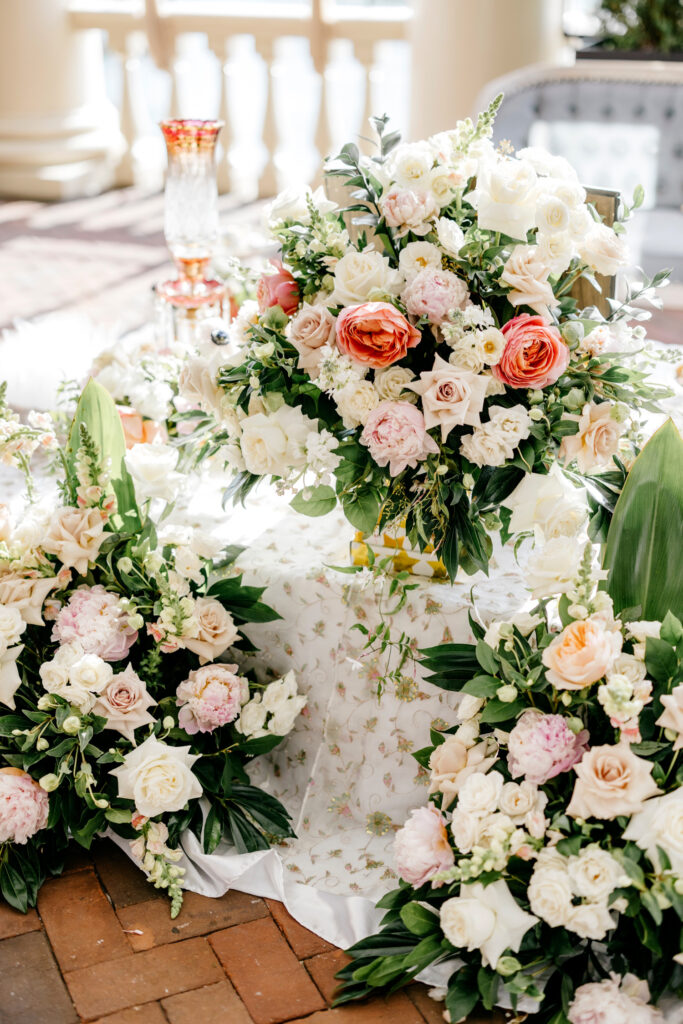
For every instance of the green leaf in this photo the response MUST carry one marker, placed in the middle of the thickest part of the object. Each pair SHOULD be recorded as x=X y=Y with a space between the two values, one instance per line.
x=672 y=629
x=321 y=500
x=213 y=831
x=13 y=887
x=463 y=993
x=645 y=530
x=498 y=711
x=487 y=983
x=486 y=658
x=482 y=686
x=96 y=409
x=118 y=815
x=362 y=508
x=418 y=919
x=660 y=659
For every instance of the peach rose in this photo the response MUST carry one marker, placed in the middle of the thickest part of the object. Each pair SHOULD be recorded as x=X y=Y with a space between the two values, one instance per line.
x=278 y=289
x=137 y=430
x=582 y=653
x=672 y=715
x=27 y=593
x=216 y=630
x=311 y=328
x=458 y=757
x=375 y=334
x=534 y=355
x=597 y=439
x=75 y=536
x=611 y=781
x=527 y=276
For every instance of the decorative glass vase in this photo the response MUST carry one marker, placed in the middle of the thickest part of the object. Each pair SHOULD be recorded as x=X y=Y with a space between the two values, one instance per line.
x=191 y=213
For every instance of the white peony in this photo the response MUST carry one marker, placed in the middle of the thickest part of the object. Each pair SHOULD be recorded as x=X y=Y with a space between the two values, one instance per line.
x=603 y=250
x=485 y=918
x=410 y=165
x=479 y=793
x=292 y=204
x=158 y=777
x=355 y=402
x=548 y=501
x=660 y=823
x=275 y=443
x=417 y=256
x=153 y=468
x=553 y=569
x=358 y=274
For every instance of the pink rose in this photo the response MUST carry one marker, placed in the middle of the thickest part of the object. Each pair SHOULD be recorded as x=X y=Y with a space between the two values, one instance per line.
x=278 y=289
x=395 y=433
x=421 y=847
x=124 y=703
x=434 y=293
x=375 y=334
x=542 y=746
x=311 y=328
x=534 y=355
x=582 y=653
x=611 y=780
x=450 y=397
x=96 y=619
x=24 y=806
x=212 y=696
x=408 y=210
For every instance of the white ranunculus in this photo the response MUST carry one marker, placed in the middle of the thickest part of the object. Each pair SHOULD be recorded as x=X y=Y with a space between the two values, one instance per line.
x=505 y=197
x=450 y=235
x=358 y=274
x=485 y=918
x=12 y=626
x=549 y=502
x=417 y=256
x=660 y=823
x=594 y=873
x=479 y=793
x=275 y=443
x=410 y=165
x=550 y=894
x=292 y=204
x=553 y=569
x=158 y=777
x=355 y=402
x=153 y=468
x=10 y=680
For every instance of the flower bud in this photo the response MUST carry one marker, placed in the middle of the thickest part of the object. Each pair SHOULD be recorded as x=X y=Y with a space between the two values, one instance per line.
x=574 y=399
x=572 y=332
x=102 y=803
x=45 y=702
x=566 y=698
x=468 y=481
x=536 y=414
x=575 y=724
x=125 y=564
x=506 y=630
x=49 y=782
x=42 y=743
x=168 y=722
x=71 y=725
x=506 y=693
x=507 y=966
x=535 y=396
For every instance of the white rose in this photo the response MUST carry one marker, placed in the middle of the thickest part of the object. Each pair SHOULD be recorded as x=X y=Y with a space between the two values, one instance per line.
x=450 y=235
x=355 y=402
x=292 y=204
x=358 y=274
x=550 y=895
x=603 y=250
x=484 y=448
x=152 y=467
x=252 y=718
x=10 y=680
x=512 y=425
x=390 y=384
x=505 y=197
x=276 y=443
x=555 y=252
x=465 y=830
x=443 y=184
x=552 y=215
x=629 y=666
x=158 y=778
x=543 y=162
x=467 y=355
x=75 y=536
x=410 y=165
x=479 y=793
x=548 y=501
x=553 y=569
x=417 y=256
x=590 y=920
x=594 y=873
x=485 y=918
x=527 y=276
x=90 y=673
x=152 y=398
x=517 y=799
x=12 y=625
x=660 y=823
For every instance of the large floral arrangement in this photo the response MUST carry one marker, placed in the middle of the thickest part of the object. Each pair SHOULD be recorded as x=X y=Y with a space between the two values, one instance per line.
x=418 y=370
x=549 y=859
x=122 y=707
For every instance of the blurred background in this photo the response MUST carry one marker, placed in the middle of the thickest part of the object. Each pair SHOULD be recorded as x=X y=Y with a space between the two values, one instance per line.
x=84 y=83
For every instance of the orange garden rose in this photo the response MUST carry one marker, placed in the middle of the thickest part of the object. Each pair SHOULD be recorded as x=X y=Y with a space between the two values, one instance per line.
x=137 y=430
x=375 y=334
x=581 y=654
x=534 y=355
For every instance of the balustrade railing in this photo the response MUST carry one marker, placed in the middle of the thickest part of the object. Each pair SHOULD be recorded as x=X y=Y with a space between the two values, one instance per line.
x=135 y=29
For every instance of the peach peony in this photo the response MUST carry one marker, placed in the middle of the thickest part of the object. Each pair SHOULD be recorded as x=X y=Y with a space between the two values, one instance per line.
x=597 y=439
x=278 y=289
x=421 y=847
x=375 y=334
x=582 y=653
x=611 y=781
x=534 y=355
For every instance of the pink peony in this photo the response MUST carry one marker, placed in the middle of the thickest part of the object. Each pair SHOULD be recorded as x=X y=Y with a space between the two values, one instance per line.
x=434 y=293
x=375 y=334
x=542 y=746
x=212 y=696
x=278 y=289
x=534 y=355
x=409 y=210
x=95 y=618
x=395 y=433
x=24 y=806
x=608 y=1002
x=421 y=847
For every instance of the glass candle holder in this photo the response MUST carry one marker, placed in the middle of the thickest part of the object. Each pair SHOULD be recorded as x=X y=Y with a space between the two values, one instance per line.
x=191 y=212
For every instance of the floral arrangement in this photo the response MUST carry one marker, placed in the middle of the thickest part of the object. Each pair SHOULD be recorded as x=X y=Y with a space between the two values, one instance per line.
x=549 y=860
x=415 y=363
x=122 y=706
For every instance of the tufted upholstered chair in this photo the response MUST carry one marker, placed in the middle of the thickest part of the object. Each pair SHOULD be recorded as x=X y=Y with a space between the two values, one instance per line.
x=620 y=123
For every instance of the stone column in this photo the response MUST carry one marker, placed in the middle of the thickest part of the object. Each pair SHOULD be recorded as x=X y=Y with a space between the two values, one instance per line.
x=59 y=134
x=460 y=45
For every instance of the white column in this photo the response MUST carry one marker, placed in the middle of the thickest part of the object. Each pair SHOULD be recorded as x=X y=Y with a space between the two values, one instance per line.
x=59 y=134
x=460 y=45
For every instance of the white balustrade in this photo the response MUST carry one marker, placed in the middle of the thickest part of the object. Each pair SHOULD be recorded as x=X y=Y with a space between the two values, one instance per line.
x=329 y=29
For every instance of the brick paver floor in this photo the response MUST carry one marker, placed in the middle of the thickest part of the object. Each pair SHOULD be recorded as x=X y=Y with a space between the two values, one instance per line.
x=101 y=947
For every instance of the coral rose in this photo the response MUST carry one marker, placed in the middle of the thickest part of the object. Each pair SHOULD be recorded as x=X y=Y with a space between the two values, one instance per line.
x=534 y=355
x=611 y=781
x=137 y=430
x=582 y=653
x=278 y=289
x=375 y=334
x=395 y=433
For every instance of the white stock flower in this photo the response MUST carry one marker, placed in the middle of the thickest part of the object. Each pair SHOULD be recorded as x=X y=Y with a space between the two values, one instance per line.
x=188 y=564
x=357 y=274
x=553 y=569
x=486 y=918
x=153 y=468
x=548 y=501
x=355 y=402
x=275 y=443
x=158 y=777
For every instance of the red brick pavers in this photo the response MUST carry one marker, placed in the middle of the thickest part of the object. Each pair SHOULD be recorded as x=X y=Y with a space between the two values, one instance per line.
x=101 y=948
